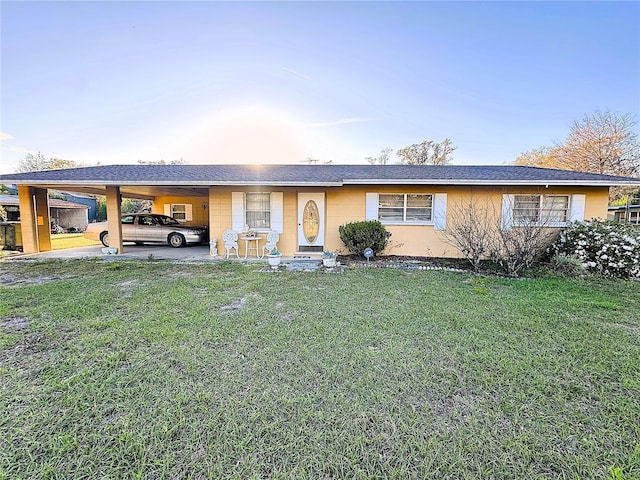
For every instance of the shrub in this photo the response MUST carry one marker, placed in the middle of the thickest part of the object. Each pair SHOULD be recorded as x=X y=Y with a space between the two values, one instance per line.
x=357 y=236
x=477 y=230
x=609 y=248
x=518 y=248
x=568 y=265
x=470 y=229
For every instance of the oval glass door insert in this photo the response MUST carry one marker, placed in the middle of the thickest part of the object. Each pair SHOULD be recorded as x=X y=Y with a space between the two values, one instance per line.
x=310 y=221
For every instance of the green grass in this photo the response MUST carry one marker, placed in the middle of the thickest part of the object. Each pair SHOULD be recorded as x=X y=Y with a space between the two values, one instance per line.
x=134 y=369
x=61 y=241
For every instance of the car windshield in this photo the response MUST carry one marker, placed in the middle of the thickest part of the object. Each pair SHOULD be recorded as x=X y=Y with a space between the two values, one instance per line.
x=164 y=220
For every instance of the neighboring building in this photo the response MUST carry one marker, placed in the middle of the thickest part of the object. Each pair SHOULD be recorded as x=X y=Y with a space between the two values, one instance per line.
x=67 y=215
x=88 y=200
x=414 y=202
x=625 y=213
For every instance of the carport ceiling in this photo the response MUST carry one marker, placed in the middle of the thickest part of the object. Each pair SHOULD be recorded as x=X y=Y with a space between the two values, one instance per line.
x=145 y=192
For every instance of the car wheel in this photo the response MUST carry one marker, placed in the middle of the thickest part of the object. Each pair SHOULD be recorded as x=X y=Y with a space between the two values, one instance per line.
x=176 y=240
x=104 y=238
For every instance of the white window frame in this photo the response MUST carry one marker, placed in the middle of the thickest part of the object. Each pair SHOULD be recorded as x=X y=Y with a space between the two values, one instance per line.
x=239 y=218
x=246 y=211
x=541 y=209
x=404 y=210
x=438 y=206
x=170 y=210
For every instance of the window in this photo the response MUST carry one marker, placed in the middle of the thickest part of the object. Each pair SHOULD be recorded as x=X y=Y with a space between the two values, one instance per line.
x=182 y=212
x=13 y=213
x=540 y=209
x=165 y=220
x=405 y=208
x=128 y=219
x=147 y=220
x=179 y=211
x=258 y=210
x=634 y=217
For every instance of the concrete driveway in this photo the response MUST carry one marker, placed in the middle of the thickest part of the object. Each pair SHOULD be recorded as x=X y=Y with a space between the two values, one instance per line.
x=190 y=253
x=159 y=252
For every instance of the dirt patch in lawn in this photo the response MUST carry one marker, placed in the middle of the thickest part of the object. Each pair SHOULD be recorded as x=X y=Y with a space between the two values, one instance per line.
x=235 y=305
x=629 y=328
x=287 y=317
x=126 y=287
x=13 y=281
x=15 y=323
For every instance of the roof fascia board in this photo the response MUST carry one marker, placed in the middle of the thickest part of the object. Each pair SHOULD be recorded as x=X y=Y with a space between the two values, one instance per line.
x=577 y=183
x=421 y=181
x=166 y=183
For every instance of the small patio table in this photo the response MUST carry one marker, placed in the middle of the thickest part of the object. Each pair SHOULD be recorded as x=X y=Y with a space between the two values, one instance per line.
x=248 y=247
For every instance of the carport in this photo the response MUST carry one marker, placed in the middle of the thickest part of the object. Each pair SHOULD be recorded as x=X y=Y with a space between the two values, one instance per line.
x=34 y=202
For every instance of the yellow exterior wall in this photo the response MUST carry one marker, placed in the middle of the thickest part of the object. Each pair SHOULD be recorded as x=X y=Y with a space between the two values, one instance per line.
x=199 y=205
x=220 y=216
x=347 y=204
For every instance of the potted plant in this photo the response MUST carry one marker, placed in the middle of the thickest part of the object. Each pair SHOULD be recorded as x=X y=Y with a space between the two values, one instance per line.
x=329 y=259
x=274 y=257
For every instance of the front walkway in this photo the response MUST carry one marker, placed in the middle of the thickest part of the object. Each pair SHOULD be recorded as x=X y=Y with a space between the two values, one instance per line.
x=196 y=253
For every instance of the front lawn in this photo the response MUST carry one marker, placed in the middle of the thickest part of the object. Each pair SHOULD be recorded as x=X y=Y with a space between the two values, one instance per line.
x=61 y=241
x=142 y=369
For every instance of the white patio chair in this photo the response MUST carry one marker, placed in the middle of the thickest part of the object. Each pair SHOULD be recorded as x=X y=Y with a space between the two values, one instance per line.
x=230 y=239
x=272 y=242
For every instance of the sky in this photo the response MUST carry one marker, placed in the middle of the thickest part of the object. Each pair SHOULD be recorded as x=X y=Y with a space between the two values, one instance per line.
x=282 y=82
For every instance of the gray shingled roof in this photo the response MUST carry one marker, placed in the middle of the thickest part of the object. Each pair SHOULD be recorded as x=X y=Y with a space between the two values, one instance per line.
x=53 y=202
x=312 y=175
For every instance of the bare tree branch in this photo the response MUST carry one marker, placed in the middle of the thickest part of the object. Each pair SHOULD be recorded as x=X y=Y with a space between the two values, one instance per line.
x=36 y=162
x=382 y=159
x=427 y=153
x=469 y=229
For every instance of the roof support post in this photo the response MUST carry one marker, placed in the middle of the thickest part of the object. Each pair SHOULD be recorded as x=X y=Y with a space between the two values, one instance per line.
x=34 y=219
x=114 y=212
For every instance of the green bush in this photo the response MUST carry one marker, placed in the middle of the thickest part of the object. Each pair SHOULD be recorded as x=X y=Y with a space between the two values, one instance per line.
x=611 y=249
x=568 y=265
x=357 y=236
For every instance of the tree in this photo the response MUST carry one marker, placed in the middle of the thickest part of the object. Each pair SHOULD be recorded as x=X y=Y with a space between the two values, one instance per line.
x=134 y=205
x=604 y=143
x=544 y=157
x=36 y=162
x=179 y=161
x=128 y=205
x=382 y=159
x=470 y=230
x=427 y=153
x=316 y=161
x=479 y=231
x=518 y=247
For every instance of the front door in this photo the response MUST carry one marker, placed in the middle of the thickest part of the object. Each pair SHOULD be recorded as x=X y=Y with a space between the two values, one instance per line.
x=310 y=222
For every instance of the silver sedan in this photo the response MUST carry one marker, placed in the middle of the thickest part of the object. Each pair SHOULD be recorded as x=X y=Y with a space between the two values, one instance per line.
x=150 y=228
